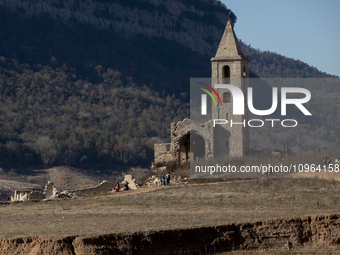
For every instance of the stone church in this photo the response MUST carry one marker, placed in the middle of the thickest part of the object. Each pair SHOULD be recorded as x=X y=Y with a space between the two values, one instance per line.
x=229 y=66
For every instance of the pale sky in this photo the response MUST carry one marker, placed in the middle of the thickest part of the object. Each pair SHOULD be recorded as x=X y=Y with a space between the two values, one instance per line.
x=308 y=30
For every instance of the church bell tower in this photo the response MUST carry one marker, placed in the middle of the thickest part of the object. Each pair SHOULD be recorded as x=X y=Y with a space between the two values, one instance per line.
x=230 y=66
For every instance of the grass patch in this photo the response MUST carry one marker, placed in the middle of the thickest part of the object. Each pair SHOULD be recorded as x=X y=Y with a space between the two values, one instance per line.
x=172 y=207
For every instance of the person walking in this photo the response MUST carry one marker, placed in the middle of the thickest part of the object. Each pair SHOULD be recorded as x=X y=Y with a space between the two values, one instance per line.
x=167 y=179
x=117 y=187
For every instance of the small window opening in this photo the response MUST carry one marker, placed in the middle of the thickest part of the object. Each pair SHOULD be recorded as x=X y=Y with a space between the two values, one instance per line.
x=226 y=74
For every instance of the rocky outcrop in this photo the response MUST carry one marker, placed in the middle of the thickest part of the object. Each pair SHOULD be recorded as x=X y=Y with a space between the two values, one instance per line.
x=268 y=234
x=197 y=28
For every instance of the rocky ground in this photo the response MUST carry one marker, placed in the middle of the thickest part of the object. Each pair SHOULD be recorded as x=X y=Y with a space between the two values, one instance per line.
x=63 y=178
x=242 y=215
x=154 y=181
x=273 y=216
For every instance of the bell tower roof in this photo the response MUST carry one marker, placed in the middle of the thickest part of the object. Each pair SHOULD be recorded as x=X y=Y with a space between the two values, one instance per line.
x=229 y=47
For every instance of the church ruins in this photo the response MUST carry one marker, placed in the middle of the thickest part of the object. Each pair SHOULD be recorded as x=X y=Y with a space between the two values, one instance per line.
x=229 y=66
x=51 y=193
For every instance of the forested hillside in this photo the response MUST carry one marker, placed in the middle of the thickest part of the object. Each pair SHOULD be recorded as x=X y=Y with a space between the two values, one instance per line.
x=49 y=116
x=78 y=94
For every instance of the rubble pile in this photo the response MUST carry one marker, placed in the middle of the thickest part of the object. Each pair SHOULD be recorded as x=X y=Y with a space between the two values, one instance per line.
x=131 y=181
x=51 y=193
x=154 y=181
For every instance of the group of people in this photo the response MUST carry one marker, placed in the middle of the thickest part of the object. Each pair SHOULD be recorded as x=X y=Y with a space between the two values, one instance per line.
x=126 y=185
x=162 y=179
x=327 y=161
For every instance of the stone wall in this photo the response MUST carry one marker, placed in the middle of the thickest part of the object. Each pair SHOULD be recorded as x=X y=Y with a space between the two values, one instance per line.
x=175 y=151
x=50 y=192
x=26 y=195
x=182 y=128
x=102 y=188
x=20 y=195
x=106 y=187
x=233 y=141
x=35 y=195
x=163 y=153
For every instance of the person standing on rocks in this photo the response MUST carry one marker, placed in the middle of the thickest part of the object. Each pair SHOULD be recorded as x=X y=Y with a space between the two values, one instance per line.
x=167 y=179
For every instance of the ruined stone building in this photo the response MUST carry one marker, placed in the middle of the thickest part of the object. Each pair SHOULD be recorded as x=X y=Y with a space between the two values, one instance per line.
x=229 y=66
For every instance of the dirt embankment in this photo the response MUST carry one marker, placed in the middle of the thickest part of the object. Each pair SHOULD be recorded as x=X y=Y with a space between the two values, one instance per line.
x=269 y=234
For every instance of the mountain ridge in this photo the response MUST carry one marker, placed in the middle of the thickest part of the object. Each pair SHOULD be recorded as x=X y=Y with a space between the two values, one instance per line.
x=172 y=20
x=93 y=96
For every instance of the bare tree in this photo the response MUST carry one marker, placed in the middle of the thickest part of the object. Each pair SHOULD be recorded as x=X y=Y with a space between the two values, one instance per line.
x=45 y=147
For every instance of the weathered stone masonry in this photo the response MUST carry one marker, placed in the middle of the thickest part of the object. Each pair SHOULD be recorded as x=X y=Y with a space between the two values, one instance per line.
x=229 y=66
